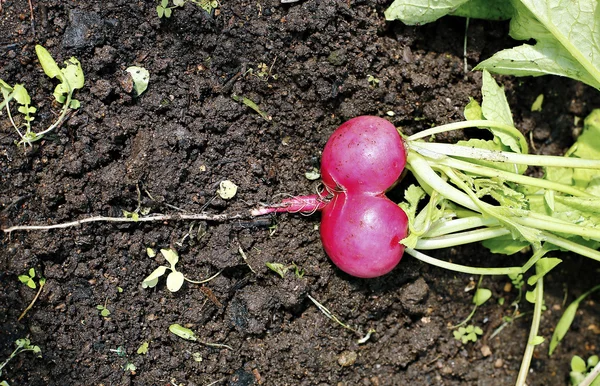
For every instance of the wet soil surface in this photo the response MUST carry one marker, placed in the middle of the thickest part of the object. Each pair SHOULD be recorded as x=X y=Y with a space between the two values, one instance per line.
x=307 y=65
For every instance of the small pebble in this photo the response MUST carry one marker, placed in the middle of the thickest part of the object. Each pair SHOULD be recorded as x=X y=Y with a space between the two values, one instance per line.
x=347 y=358
x=486 y=351
x=498 y=363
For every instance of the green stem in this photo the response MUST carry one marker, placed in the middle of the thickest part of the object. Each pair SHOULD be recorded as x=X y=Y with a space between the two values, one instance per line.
x=443 y=227
x=438 y=150
x=572 y=246
x=479 y=124
x=549 y=223
x=461 y=238
x=462 y=268
x=421 y=168
x=533 y=332
x=512 y=177
x=58 y=122
x=203 y=281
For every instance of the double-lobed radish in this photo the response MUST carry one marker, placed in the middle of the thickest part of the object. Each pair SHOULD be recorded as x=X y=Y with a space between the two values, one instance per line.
x=361 y=228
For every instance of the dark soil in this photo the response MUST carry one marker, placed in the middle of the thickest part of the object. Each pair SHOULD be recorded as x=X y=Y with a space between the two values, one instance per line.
x=306 y=65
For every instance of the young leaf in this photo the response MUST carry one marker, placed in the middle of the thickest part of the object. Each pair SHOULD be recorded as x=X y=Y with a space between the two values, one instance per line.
x=485 y=9
x=143 y=349
x=182 y=332
x=473 y=110
x=73 y=73
x=168 y=12
x=566 y=319
x=495 y=106
x=47 y=62
x=21 y=95
x=160 y=11
x=536 y=340
x=174 y=281
x=152 y=279
x=578 y=364
x=481 y=296
x=566 y=42
x=542 y=267
x=278 y=268
x=164 y=3
x=420 y=11
x=171 y=256
x=140 y=77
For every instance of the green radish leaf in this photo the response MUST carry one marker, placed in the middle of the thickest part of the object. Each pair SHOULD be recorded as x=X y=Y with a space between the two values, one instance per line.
x=47 y=62
x=495 y=106
x=143 y=349
x=73 y=73
x=505 y=245
x=485 y=9
x=420 y=11
x=566 y=43
x=75 y=104
x=24 y=278
x=168 y=12
x=164 y=3
x=593 y=361
x=542 y=267
x=473 y=111
x=160 y=11
x=32 y=272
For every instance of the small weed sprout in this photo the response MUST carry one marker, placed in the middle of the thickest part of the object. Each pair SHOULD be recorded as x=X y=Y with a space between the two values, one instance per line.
x=104 y=312
x=28 y=280
x=585 y=372
x=22 y=346
x=71 y=78
x=281 y=269
x=175 y=278
x=373 y=81
x=164 y=10
x=466 y=334
x=481 y=296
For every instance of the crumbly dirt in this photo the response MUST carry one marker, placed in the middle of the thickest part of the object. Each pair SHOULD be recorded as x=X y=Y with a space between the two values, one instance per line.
x=306 y=65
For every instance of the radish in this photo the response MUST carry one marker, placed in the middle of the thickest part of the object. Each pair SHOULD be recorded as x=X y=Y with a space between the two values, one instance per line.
x=361 y=228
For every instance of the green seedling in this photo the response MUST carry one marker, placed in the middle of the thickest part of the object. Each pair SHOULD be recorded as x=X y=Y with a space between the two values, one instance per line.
x=28 y=279
x=175 y=278
x=585 y=373
x=22 y=346
x=373 y=81
x=164 y=10
x=248 y=102
x=480 y=296
x=467 y=334
x=103 y=311
x=140 y=77
x=143 y=349
x=567 y=319
x=281 y=269
x=187 y=334
x=70 y=77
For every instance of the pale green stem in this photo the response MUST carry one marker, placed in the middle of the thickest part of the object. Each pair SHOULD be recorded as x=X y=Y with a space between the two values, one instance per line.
x=462 y=268
x=461 y=238
x=479 y=124
x=533 y=332
x=548 y=223
x=444 y=227
x=572 y=246
x=12 y=121
x=203 y=281
x=61 y=117
x=591 y=377
x=421 y=167
x=513 y=177
x=438 y=150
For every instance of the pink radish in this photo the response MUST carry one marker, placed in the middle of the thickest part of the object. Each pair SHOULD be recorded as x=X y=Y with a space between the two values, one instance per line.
x=361 y=228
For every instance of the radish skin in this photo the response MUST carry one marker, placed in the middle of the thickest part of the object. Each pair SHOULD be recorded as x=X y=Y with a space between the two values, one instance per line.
x=361 y=228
